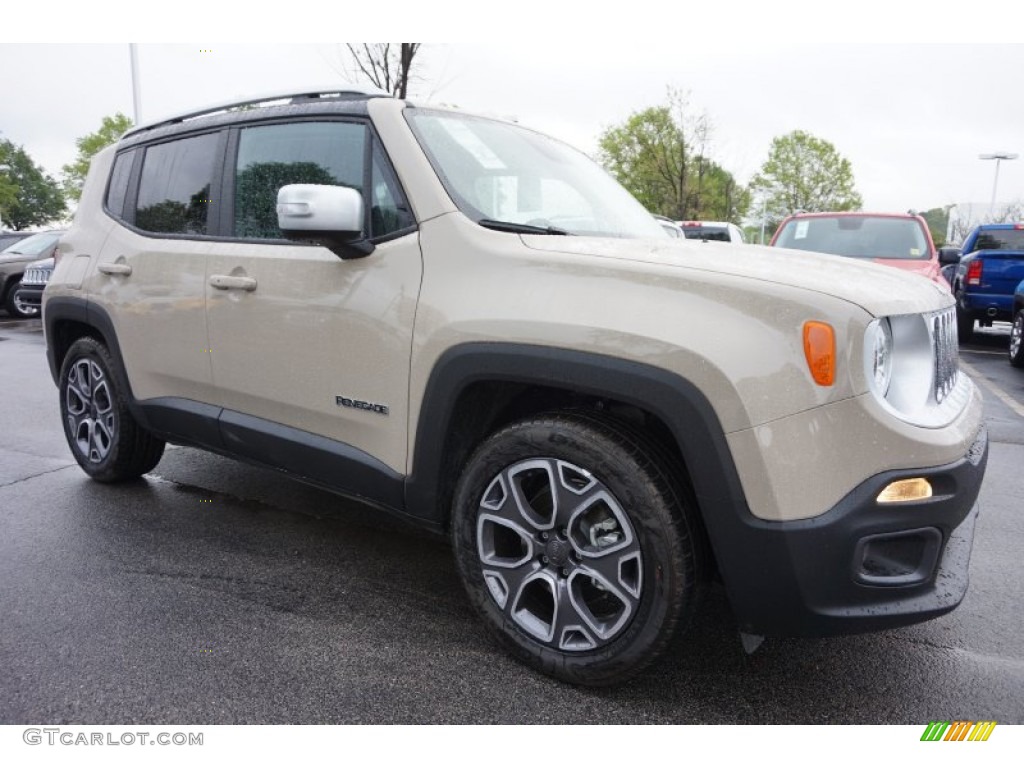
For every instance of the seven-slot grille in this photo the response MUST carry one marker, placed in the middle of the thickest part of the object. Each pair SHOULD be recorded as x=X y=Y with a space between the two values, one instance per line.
x=36 y=276
x=947 y=354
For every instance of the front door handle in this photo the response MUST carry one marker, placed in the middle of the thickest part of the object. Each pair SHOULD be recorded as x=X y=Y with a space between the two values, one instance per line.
x=114 y=268
x=228 y=282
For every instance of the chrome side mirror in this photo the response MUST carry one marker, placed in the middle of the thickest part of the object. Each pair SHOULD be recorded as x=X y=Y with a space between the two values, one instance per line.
x=326 y=215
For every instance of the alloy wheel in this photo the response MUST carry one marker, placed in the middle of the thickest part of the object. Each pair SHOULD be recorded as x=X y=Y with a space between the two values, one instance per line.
x=91 y=416
x=558 y=554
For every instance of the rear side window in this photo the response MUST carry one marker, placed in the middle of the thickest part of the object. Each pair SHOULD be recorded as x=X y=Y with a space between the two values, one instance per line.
x=117 y=190
x=271 y=156
x=174 y=191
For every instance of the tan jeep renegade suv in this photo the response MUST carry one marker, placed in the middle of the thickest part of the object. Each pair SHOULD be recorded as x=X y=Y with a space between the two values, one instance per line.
x=470 y=324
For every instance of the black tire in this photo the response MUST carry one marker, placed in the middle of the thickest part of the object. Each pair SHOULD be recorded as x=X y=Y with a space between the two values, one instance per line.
x=1017 y=340
x=590 y=590
x=12 y=306
x=104 y=437
x=964 y=325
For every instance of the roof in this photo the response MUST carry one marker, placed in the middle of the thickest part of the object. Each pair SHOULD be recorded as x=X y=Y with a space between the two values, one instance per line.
x=347 y=100
x=833 y=214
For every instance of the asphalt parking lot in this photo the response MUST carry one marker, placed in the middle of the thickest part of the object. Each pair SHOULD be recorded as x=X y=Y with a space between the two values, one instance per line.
x=214 y=592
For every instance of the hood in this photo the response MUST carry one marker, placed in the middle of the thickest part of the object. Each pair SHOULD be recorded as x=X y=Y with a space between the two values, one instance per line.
x=877 y=289
x=926 y=267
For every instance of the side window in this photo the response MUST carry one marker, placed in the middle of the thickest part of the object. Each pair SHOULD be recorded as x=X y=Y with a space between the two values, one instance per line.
x=388 y=212
x=117 y=190
x=174 y=192
x=271 y=156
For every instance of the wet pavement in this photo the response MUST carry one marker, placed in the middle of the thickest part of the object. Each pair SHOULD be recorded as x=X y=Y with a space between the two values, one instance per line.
x=215 y=592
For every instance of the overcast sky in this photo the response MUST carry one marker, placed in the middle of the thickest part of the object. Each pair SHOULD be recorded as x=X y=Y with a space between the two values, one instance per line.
x=911 y=118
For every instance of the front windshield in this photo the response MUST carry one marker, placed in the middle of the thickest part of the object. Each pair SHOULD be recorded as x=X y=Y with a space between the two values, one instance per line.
x=498 y=172
x=862 y=237
x=32 y=246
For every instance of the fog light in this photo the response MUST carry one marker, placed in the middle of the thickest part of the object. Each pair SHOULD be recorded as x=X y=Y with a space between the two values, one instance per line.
x=912 y=489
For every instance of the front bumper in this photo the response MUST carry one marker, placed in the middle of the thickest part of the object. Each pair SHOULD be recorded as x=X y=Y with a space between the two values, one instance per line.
x=31 y=295
x=862 y=566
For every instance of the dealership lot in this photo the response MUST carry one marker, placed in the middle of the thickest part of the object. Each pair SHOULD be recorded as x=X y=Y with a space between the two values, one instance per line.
x=214 y=592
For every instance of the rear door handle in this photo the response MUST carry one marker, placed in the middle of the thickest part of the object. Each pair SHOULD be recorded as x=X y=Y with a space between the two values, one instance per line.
x=229 y=282
x=114 y=269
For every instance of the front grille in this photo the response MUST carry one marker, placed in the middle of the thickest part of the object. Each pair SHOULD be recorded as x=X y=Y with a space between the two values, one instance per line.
x=36 y=276
x=947 y=352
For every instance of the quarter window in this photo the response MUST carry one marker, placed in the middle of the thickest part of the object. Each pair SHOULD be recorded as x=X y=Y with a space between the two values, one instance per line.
x=118 y=189
x=388 y=212
x=174 y=193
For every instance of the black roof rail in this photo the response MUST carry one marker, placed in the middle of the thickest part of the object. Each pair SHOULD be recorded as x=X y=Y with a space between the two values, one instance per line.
x=347 y=93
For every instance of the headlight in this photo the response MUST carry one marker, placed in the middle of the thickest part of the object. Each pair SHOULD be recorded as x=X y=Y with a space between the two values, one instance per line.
x=878 y=356
x=910 y=364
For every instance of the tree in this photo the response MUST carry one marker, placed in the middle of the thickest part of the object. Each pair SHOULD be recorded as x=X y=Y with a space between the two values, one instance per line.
x=110 y=131
x=386 y=65
x=804 y=173
x=28 y=196
x=660 y=156
x=938 y=222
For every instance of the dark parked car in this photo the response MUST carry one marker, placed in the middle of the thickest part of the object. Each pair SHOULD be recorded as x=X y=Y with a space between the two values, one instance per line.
x=13 y=261
x=28 y=296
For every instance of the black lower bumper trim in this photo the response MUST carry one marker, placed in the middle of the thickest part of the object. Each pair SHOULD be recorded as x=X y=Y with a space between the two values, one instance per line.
x=862 y=566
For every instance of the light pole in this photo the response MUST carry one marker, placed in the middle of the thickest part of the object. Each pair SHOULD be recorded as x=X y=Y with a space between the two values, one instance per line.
x=998 y=157
x=136 y=90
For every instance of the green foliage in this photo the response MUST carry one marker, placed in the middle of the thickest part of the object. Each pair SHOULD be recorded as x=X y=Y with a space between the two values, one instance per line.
x=28 y=197
x=110 y=131
x=805 y=173
x=660 y=156
x=938 y=222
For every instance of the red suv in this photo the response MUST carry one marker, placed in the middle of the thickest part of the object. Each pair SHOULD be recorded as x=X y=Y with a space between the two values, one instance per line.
x=900 y=240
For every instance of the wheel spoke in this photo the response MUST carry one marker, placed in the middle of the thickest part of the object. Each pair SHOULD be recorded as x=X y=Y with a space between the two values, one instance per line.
x=533 y=486
x=535 y=605
x=572 y=630
x=602 y=605
x=101 y=396
x=77 y=402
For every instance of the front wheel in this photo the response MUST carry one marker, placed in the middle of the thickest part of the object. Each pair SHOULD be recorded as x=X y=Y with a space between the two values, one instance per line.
x=17 y=308
x=104 y=437
x=1017 y=340
x=575 y=547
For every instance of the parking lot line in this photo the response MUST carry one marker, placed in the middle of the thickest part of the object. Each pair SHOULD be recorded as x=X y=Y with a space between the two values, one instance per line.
x=993 y=388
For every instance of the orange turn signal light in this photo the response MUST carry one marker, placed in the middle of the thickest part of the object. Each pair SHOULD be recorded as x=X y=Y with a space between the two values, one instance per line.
x=820 y=351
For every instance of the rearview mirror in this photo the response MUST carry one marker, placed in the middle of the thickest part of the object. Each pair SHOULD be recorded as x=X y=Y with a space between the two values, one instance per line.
x=326 y=215
x=949 y=254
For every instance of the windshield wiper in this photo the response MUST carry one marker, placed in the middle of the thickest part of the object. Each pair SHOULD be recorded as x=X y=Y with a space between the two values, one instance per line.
x=522 y=229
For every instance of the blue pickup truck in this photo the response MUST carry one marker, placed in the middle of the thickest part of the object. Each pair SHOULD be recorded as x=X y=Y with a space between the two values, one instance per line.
x=991 y=267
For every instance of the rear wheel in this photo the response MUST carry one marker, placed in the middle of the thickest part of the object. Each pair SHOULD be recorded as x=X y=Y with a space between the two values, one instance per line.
x=104 y=437
x=575 y=547
x=1017 y=340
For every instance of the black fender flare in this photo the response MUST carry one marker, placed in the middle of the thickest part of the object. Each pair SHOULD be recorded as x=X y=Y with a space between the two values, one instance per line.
x=676 y=401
